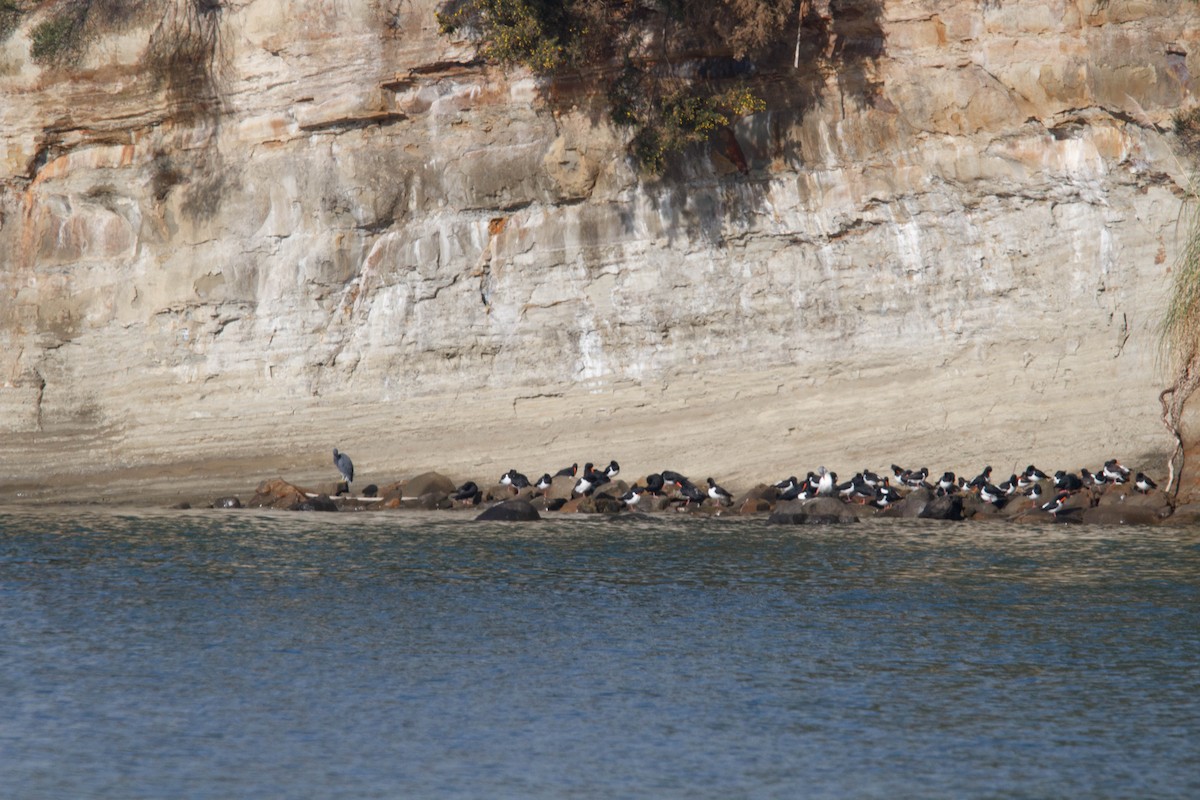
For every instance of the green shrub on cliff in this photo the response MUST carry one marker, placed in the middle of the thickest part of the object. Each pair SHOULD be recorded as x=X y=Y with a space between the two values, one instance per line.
x=512 y=31
x=69 y=26
x=653 y=58
x=59 y=38
x=672 y=123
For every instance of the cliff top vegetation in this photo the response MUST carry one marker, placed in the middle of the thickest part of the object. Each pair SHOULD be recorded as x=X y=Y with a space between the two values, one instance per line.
x=674 y=72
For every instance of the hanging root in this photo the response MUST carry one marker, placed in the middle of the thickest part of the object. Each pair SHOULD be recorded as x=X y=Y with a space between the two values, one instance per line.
x=1186 y=383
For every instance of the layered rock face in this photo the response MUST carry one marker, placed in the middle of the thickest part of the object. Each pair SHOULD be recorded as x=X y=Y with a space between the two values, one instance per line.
x=328 y=226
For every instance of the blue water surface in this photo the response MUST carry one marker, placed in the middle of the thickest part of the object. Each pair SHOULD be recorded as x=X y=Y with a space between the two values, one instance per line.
x=242 y=654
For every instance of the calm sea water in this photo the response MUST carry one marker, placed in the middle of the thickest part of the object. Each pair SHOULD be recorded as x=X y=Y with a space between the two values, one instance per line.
x=248 y=655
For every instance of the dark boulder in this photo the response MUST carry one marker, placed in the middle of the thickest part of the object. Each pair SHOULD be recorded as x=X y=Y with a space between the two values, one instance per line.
x=1038 y=515
x=499 y=491
x=428 y=482
x=1186 y=515
x=608 y=505
x=911 y=507
x=761 y=492
x=1121 y=514
x=541 y=503
x=321 y=502
x=561 y=488
x=947 y=507
x=817 y=511
x=510 y=511
x=754 y=505
x=433 y=501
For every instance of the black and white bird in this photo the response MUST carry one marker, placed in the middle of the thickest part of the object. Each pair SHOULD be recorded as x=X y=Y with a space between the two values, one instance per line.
x=612 y=469
x=344 y=466
x=982 y=479
x=468 y=493
x=885 y=495
x=670 y=476
x=860 y=490
x=692 y=493
x=593 y=477
x=947 y=483
x=1115 y=473
x=787 y=485
x=1143 y=483
x=805 y=490
x=1092 y=480
x=1009 y=486
x=585 y=484
x=568 y=471
x=544 y=482
x=1056 y=505
x=717 y=493
x=990 y=494
x=514 y=479
x=655 y=483
x=1067 y=481
x=633 y=496
x=915 y=479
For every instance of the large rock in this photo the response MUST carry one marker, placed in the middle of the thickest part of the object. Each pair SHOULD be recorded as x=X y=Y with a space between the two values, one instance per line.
x=764 y=492
x=499 y=491
x=321 y=502
x=277 y=493
x=430 y=501
x=817 y=511
x=946 y=507
x=978 y=509
x=428 y=482
x=510 y=511
x=751 y=505
x=561 y=488
x=1126 y=496
x=1121 y=515
x=1188 y=514
x=910 y=507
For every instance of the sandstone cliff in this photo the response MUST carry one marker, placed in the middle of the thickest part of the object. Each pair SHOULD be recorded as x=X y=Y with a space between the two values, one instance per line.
x=326 y=226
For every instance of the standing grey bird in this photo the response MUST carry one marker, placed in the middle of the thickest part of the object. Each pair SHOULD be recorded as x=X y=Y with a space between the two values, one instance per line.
x=344 y=465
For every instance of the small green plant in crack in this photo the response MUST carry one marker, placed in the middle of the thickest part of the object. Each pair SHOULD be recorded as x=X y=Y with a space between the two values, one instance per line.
x=58 y=39
x=1186 y=124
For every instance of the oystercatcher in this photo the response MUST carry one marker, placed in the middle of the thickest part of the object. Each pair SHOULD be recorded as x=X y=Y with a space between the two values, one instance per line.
x=717 y=493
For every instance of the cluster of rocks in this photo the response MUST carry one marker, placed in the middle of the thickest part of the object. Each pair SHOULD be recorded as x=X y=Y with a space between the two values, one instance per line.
x=956 y=500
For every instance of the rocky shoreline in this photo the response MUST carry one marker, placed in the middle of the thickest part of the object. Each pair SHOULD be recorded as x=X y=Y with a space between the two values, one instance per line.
x=1109 y=504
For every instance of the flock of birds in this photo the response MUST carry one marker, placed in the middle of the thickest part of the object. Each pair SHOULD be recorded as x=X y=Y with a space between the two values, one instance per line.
x=592 y=480
x=865 y=487
x=1032 y=483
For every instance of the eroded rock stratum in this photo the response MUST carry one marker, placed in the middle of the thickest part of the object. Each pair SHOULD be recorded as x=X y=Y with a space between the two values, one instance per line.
x=343 y=232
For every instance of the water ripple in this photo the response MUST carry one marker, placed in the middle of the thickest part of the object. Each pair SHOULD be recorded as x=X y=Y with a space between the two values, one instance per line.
x=219 y=654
